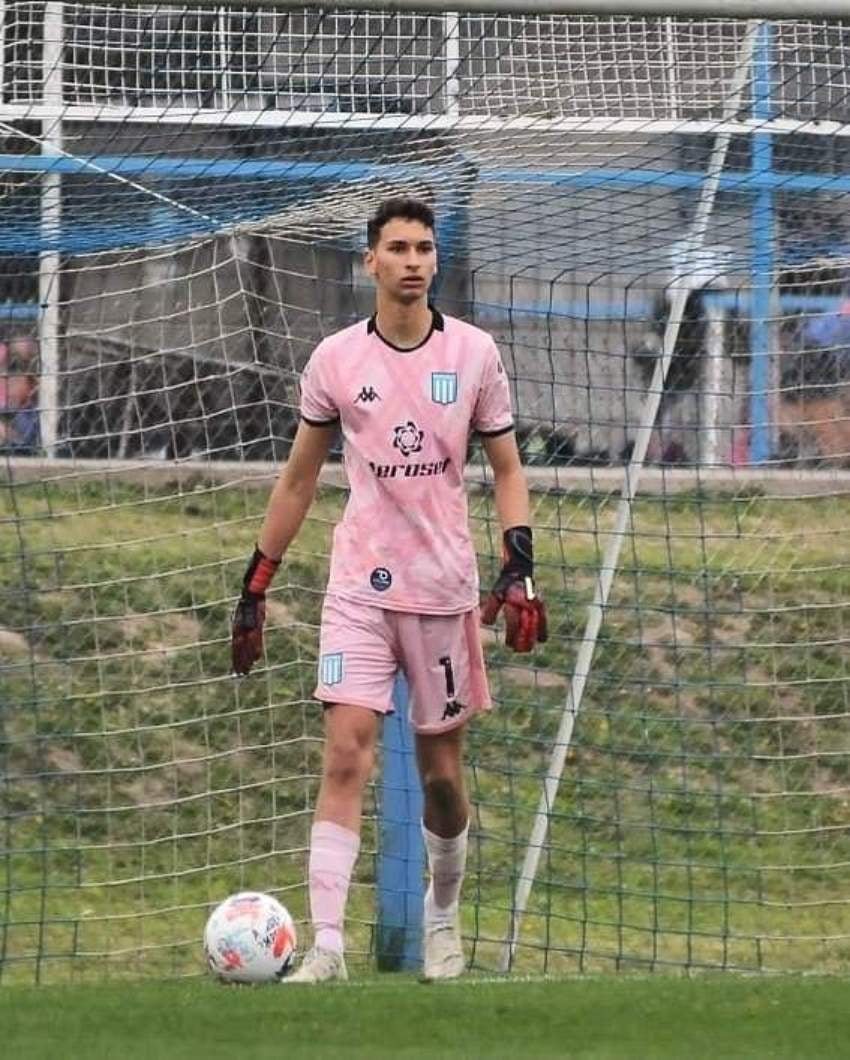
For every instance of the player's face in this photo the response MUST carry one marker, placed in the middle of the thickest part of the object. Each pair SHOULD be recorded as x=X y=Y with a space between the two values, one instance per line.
x=404 y=260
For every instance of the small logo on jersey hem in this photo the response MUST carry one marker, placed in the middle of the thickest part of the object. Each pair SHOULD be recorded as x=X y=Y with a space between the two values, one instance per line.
x=444 y=388
x=331 y=668
x=367 y=393
x=380 y=579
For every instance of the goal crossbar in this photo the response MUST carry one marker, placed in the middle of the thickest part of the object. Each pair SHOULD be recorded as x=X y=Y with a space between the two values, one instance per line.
x=829 y=9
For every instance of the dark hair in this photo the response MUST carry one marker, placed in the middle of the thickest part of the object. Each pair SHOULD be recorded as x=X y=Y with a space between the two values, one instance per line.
x=409 y=209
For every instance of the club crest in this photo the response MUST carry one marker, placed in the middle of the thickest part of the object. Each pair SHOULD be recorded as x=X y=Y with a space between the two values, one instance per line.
x=330 y=668
x=444 y=387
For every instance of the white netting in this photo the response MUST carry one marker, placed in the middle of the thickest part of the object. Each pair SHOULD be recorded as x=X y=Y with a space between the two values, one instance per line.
x=183 y=196
x=361 y=63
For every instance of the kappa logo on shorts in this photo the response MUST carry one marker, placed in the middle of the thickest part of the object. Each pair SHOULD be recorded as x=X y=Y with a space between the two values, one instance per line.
x=453 y=708
x=331 y=668
x=444 y=387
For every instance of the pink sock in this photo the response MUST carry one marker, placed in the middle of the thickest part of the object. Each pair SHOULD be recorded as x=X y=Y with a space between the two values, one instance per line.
x=333 y=851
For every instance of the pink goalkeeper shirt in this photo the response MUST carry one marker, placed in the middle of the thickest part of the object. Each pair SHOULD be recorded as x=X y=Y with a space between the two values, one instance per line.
x=406 y=416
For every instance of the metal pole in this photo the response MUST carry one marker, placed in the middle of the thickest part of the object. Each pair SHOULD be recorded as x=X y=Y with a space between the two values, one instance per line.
x=764 y=253
x=51 y=216
x=451 y=28
x=714 y=388
x=223 y=57
x=672 y=67
x=742 y=9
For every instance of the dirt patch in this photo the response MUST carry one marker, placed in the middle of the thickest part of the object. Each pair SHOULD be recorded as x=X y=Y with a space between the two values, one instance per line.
x=147 y=790
x=520 y=675
x=660 y=638
x=64 y=760
x=13 y=644
x=161 y=634
x=280 y=614
x=190 y=758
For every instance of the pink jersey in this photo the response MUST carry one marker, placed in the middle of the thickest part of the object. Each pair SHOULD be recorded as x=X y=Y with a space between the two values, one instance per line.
x=406 y=416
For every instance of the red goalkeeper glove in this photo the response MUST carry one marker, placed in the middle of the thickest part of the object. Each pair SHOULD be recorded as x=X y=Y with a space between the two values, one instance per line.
x=250 y=615
x=525 y=613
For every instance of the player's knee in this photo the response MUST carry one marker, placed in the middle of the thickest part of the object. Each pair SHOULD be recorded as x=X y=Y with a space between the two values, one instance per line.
x=442 y=793
x=348 y=764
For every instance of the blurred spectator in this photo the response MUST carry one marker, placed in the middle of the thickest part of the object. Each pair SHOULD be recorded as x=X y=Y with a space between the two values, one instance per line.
x=825 y=359
x=19 y=421
x=683 y=375
x=813 y=412
x=816 y=429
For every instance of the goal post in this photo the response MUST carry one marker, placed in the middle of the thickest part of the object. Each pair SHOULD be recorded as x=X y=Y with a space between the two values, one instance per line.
x=730 y=9
x=647 y=208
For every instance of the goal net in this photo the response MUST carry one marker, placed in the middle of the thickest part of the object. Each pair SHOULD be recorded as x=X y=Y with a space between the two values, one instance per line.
x=650 y=215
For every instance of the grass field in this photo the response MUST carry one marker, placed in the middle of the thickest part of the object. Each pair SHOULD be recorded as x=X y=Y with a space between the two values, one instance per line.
x=703 y=820
x=611 y=1018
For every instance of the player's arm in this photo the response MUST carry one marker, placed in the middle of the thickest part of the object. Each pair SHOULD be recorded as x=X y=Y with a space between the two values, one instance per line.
x=295 y=488
x=525 y=614
x=288 y=505
x=511 y=488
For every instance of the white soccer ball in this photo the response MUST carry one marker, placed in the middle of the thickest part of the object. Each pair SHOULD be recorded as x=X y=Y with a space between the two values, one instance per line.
x=249 y=938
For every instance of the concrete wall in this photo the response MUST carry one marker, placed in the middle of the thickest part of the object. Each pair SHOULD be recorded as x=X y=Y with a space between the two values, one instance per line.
x=565 y=278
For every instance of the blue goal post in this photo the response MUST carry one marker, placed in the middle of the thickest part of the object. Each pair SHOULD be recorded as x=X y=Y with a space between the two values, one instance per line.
x=401 y=859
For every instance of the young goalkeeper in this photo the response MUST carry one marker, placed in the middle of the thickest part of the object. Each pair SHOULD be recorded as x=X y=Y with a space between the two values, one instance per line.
x=406 y=387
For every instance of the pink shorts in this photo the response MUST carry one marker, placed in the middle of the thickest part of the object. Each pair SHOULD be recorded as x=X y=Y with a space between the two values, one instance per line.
x=362 y=648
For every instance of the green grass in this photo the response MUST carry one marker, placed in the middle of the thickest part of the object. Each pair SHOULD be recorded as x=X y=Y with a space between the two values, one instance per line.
x=702 y=820
x=602 y=1019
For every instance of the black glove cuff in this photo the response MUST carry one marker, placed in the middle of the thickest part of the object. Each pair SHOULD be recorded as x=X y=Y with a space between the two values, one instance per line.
x=519 y=551
x=259 y=574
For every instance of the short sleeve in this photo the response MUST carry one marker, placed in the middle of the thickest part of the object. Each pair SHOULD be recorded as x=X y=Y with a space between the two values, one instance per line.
x=317 y=404
x=493 y=414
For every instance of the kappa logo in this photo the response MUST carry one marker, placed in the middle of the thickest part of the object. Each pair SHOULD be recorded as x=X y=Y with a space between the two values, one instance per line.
x=407 y=438
x=367 y=394
x=453 y=708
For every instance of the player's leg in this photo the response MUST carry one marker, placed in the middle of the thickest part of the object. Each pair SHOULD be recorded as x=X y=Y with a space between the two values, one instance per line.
x=445 y=802
x=350 y=737
x=444 y=663
x=445 y=827
x=356 y=671
x=351 y=734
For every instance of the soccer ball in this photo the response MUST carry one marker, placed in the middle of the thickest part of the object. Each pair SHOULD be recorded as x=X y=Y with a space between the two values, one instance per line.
x=249 y=938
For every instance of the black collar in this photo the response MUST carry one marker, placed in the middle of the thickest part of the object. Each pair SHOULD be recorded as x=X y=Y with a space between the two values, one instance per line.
x=437 y=324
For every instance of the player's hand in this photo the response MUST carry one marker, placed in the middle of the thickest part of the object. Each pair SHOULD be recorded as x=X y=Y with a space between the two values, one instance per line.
x=525 y=612
x=514 y=593
x=247 y=634
x=246 y=640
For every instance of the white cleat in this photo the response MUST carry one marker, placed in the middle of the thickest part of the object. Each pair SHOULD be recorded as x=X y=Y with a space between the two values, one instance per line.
x=319 y=966
x=443 y=952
